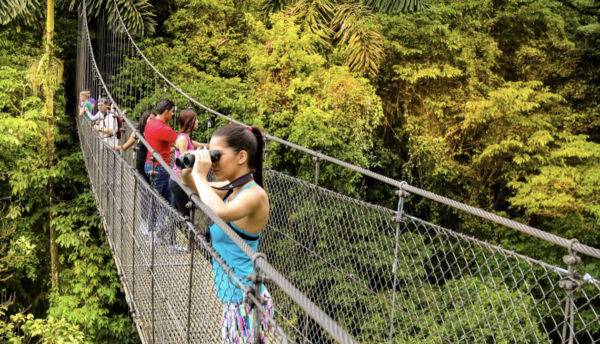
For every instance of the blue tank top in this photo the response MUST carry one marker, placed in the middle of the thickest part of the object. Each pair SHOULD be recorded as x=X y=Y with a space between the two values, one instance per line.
x=235 y=259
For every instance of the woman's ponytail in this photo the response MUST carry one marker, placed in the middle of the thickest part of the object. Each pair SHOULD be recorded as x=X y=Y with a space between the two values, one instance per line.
x=256 y=161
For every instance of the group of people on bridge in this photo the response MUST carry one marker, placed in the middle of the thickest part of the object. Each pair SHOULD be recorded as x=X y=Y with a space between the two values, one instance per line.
x=242 y=203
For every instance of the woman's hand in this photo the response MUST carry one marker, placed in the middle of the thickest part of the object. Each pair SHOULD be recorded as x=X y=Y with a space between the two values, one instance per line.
x=203 y=162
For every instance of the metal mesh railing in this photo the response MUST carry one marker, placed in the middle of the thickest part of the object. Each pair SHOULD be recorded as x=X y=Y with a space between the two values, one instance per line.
x=363 y=263
x=380 y=274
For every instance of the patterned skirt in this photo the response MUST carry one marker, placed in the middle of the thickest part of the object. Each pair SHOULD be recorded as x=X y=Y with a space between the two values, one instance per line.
x=237 y=324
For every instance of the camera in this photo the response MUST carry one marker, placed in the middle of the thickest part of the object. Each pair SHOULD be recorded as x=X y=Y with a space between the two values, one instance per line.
x=187 y=161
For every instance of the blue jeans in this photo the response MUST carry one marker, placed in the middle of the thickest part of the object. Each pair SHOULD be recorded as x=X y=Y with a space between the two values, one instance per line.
x=161 y=184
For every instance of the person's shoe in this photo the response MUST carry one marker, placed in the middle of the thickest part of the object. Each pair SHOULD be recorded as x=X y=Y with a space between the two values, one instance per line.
x=157 y=239
x=143 y=230
x=177 y=249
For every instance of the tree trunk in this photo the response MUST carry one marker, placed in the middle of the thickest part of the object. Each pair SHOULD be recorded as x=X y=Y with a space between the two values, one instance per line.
x=48 y=90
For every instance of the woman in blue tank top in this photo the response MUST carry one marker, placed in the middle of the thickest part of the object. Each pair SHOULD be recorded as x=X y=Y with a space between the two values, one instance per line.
x=246 y=210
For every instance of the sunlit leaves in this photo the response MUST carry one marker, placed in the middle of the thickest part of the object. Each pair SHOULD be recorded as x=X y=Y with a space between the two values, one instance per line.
x=354 y=24
x=313 y=17
x=137 y=14
x=26 y=11
x=391 y=6
x=273 y=6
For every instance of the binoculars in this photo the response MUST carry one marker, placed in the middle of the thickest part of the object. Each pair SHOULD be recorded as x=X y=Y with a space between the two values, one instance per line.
x=187 y=161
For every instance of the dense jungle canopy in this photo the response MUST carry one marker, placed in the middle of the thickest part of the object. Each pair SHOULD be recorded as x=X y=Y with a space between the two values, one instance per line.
x=494 y=103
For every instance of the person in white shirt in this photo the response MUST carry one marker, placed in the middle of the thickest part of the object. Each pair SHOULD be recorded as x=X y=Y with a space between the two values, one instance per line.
x=106 y=122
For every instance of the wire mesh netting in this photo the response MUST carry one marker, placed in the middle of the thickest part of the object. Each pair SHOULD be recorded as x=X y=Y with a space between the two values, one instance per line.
x=380 y=276
x=447 y=287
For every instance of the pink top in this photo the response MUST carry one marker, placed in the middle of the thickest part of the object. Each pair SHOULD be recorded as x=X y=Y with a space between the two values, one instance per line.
x=178 y=153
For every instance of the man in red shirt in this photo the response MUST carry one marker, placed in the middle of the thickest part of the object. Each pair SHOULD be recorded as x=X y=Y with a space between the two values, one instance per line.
x=161 y=137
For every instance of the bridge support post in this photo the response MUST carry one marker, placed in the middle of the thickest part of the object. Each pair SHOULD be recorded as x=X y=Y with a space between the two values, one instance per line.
x=192 y=245
x=114 y=192
x=133 y=229
x=152 y=244
x=120 y=209
x=104 y=176
x=258 y=278
x=402 y=194
x=266 y=150
x=208 y=126
x=570 y=284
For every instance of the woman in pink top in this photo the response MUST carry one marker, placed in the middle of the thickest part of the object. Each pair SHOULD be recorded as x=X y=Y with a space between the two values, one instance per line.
x=188 y=121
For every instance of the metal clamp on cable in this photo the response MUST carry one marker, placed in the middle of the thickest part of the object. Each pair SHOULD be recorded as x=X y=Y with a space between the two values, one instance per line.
x=401 y=192
x=247 y=300
x=569 y=284
x=255 y=257
x=258 y=277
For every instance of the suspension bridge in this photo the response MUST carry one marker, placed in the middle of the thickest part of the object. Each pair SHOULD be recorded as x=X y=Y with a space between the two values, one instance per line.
x=339 y=270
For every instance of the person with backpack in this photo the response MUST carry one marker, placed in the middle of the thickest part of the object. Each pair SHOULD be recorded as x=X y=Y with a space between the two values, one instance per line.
x=106 y=123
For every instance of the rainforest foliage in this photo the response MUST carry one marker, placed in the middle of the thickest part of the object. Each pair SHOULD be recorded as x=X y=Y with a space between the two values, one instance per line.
x=87 y=302
x=491 y=103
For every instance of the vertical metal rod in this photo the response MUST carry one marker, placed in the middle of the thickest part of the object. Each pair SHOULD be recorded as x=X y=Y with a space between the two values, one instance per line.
x=133 y=230
x=122 y=213
x=317 y=169
x=208 y=125
x=257 y=311
x=266 y=150
x=104 y=173
x=401 y=195
x=175 y=110
x=152 y=244
x=192 y=245
x=114 y=202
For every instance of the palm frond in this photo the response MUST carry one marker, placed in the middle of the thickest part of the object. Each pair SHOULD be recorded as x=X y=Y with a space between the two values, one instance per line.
x=273 y=6
x=347 y=16
x=391 y=6
x=351 y=24
x=365 y=50
x=137 y=14
x=37 y=76
x=24 y=10
x=313 y=17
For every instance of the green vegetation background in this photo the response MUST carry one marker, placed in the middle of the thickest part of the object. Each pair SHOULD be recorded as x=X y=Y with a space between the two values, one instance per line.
x=492 y=103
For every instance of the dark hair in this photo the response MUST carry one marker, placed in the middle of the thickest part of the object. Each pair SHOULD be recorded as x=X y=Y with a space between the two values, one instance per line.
x=163 y=105
x=103 y=101
x=144 y=120
x=187 y=118
x=241 y=138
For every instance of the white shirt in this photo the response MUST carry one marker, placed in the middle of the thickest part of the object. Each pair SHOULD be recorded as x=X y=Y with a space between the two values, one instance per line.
x=107 y=122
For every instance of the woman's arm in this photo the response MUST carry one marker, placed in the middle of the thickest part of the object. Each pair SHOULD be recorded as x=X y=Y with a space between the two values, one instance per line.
x=199 y=145
x=127 y=144
x=243 y=205
x=181 y=144
x=187 y=179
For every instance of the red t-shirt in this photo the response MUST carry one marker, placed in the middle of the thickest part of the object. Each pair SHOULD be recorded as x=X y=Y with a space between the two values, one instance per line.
x=161 y=137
